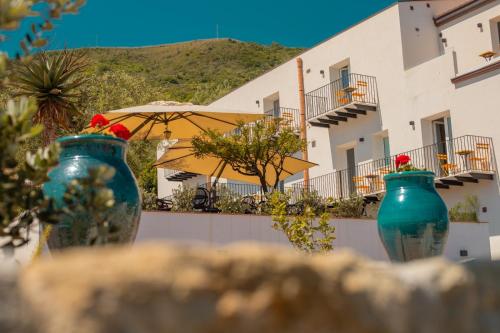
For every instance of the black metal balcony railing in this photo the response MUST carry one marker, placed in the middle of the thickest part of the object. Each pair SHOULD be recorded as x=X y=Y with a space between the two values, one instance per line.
x=354 y=88
x=463 y=159
x=290 y=117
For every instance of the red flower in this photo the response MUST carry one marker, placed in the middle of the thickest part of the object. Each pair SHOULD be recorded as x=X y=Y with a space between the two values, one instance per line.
x=120 y=131
x=98 y=121
x=402 y=160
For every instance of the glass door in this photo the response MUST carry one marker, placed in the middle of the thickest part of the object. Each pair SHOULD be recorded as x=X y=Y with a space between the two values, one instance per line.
x=351 y=170
x=387 y=151
x=440 y=136
x=440 y=129
x=344 y=76
x=449 y=139
x=276 y=109
x=344 y=94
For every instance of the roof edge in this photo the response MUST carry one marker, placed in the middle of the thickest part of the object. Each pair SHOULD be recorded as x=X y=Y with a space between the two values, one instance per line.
x=460 y=11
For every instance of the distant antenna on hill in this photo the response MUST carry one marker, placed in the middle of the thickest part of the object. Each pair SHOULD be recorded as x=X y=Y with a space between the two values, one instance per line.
x=217 y=31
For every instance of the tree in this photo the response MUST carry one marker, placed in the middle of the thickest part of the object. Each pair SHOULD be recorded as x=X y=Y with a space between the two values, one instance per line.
x=250 y=150
x=52 y=80
x=13 y=12
x=111 y=90
x=21 y=198
x=304 y=231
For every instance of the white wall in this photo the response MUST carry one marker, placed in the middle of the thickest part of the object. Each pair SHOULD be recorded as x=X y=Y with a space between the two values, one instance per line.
x=346 y=134
x=165 y=187
x=13 y=259
x=420 y=36
x=220 y=229
x=467 y=40
x=359 y=235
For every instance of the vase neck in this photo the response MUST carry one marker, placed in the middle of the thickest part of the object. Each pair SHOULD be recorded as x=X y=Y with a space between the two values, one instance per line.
x=99 y=147
x=422 y=181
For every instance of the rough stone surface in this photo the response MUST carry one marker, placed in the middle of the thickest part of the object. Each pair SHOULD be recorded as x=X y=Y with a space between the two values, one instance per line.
x=158 y=288
x=11 y=319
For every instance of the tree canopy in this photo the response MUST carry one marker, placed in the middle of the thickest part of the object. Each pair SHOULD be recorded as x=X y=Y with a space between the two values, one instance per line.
x=250 y=150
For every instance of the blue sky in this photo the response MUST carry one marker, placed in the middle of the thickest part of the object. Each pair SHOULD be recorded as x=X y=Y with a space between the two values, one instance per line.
x=150 y=22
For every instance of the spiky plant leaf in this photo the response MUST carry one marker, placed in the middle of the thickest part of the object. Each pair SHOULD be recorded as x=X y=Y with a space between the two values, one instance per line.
x=52 y=79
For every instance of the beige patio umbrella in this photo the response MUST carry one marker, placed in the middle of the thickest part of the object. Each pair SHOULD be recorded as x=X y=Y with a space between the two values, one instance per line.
x=181 y=156
x=165 y=120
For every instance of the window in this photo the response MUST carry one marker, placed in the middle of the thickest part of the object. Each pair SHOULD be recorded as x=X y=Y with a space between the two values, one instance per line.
x=272 y=105
x=495 y=34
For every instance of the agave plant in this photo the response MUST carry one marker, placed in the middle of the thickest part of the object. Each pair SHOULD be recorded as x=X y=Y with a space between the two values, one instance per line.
x=52 y=79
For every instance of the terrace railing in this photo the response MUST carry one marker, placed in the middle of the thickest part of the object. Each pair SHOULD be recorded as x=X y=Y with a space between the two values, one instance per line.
x=458 y=159
x=290 y=116
x=241 y=190
x=352 y=88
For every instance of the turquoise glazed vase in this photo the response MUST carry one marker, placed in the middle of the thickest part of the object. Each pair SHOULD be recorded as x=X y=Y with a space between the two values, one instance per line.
x=78 y=154
x=413 y=218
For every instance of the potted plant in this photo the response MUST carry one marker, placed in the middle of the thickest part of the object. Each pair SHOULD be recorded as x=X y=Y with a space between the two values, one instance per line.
x=84 y=152
x=413 y=218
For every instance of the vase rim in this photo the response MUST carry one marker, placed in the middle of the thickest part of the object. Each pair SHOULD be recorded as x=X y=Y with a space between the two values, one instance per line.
x=91 y=137
x=405 y=174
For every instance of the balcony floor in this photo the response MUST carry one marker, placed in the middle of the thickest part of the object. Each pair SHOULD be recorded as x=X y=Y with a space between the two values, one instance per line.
x=181 y=176
x=343 y=113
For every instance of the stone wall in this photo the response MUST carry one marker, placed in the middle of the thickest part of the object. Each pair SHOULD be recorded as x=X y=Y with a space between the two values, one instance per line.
x=248 y=288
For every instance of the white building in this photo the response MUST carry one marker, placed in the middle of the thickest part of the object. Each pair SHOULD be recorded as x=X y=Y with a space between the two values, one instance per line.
x=420 y=77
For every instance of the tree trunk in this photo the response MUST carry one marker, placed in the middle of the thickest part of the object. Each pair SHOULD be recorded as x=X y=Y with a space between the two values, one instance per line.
x=49 y=132
x=263 y=184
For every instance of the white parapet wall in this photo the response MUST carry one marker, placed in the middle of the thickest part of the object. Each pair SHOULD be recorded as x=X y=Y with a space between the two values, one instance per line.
x=361 y=235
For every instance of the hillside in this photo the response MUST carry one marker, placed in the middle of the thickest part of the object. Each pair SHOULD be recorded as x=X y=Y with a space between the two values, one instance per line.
x=197 y=71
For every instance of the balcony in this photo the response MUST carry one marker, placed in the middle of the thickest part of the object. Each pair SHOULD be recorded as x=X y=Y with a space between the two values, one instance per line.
x=290 y=117
x=347 y=98
x=466 y=159
x=177 y=175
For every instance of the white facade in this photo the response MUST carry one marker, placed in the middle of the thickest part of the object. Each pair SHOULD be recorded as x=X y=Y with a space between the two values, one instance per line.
x=466 y=241
x=431 y=83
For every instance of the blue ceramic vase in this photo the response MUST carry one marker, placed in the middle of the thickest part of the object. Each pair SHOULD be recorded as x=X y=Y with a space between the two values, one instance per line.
x=78 y=154
x=413 y=218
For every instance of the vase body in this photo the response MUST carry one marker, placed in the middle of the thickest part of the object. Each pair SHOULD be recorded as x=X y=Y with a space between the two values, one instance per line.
x=413 y=218
x=78 y=154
